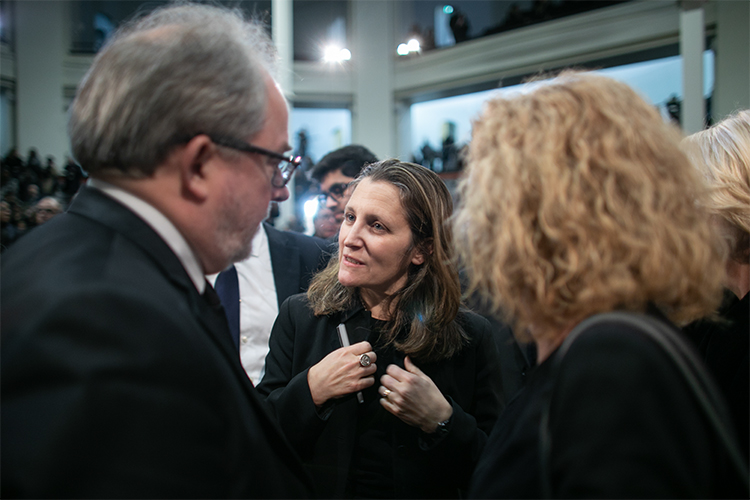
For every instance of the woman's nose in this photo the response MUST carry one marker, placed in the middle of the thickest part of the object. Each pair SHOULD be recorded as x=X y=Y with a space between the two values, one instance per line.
x=351 y=234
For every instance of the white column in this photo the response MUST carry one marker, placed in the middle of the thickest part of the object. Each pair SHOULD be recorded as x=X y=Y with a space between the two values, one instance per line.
x=403 y=127
x=282 y=17
x=281 y=26
x=373 y=114
x=42 y=33
x=692 y=43
x=732 y=86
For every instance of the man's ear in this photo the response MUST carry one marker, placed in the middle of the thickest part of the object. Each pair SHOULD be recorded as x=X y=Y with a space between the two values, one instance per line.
x=194 y=164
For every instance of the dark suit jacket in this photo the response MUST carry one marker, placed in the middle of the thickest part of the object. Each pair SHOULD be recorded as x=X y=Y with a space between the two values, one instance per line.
x=295 y=258
x=470 y=380
x=119 y=379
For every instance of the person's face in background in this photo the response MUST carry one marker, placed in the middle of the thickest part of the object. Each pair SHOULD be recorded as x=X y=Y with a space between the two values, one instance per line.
x=46 y=209
x=5 y=212
x=32 y=190
x=334 y=188
x=325 y=223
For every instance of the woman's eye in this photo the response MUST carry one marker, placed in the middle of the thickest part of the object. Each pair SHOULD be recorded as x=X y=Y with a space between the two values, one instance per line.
x=349 y=217
x=378 y=226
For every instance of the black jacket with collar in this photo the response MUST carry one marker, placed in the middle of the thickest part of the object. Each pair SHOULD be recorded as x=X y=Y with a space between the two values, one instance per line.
x=119 y=379
x=471 y=381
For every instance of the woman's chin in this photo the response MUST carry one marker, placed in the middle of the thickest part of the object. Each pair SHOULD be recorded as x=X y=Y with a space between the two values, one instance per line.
x=347 y=279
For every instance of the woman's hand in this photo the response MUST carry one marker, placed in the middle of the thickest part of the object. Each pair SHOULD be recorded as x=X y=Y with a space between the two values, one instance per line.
x=413 y=397
x=340 y=373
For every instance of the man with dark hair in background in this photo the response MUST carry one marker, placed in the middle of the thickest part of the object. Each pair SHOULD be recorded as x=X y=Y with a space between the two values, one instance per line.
x=119 y=377
x=335 y=171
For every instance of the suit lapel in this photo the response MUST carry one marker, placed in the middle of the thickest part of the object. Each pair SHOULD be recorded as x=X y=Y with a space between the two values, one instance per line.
x=285 y=263
x=93 y=204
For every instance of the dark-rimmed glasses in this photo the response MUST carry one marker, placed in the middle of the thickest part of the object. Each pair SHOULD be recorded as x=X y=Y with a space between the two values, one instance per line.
x=286 y=167
x=336 y=191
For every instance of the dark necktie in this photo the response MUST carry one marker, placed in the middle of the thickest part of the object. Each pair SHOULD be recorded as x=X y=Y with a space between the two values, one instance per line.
x=210 y=296
x=228 y=290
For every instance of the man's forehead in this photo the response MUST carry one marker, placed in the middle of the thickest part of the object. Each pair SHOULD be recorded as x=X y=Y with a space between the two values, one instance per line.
x=47 y=203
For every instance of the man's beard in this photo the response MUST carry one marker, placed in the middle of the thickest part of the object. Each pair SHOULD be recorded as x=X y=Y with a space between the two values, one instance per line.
x=235 y=230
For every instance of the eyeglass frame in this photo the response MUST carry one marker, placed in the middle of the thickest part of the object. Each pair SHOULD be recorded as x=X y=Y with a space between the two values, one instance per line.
x=285 y=173
x=323 y=197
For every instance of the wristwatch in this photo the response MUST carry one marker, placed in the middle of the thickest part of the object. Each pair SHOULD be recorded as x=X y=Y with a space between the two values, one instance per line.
x=442 y=427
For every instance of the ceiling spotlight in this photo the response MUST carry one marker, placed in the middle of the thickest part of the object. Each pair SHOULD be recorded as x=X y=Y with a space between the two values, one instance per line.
x=330 y=53
x=410 y=47
x=310 y=208
x=333 y=53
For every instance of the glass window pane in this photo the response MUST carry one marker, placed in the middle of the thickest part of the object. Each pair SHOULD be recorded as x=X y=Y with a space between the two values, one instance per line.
x=659 y=81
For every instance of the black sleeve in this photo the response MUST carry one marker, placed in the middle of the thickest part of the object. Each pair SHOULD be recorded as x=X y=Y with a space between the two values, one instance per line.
x=285 y=381
x=456 y=454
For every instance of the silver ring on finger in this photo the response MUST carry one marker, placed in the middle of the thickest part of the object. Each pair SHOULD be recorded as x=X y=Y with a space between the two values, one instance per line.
x=365 y=361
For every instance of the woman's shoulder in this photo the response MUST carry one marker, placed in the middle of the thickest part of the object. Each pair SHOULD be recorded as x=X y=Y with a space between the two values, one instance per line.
x=298 y=300
x=472 y=323
x=621 y=343
x=477 y=330
x=630 y=330
x=297 y=307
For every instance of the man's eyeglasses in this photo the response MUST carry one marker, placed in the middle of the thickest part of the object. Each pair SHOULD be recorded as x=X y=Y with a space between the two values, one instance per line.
x=336 y=191
x=286 y=167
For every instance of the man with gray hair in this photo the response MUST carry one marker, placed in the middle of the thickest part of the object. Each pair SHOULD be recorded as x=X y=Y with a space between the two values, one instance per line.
x=45 y=209
x=119 y=376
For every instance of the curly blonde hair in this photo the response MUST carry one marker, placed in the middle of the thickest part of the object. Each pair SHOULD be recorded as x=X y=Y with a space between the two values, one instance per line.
x=722 y=153
x=577 y=200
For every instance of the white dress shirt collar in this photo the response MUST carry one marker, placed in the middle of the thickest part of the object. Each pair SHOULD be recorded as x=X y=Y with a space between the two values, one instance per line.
x=259 y=246
x=161 y=225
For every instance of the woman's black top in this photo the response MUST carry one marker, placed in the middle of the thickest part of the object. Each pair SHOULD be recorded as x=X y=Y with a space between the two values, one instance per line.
x=623 y=424
x=724 y=345
x=361 y=450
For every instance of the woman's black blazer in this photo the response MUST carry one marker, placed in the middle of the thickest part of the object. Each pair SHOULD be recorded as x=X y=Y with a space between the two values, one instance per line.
x=471 y=381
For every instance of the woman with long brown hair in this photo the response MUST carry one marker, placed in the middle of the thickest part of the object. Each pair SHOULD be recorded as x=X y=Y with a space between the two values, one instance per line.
x=384 y=384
